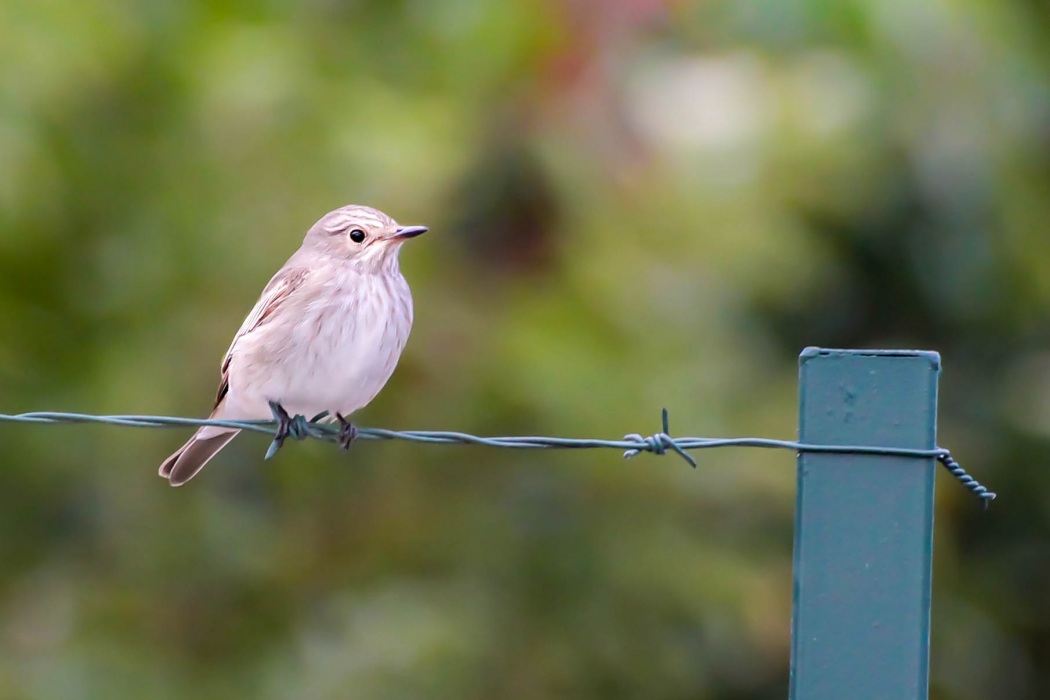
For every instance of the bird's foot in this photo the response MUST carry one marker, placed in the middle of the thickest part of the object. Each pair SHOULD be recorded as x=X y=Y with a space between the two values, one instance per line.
x=347 y=431
x=296 y=427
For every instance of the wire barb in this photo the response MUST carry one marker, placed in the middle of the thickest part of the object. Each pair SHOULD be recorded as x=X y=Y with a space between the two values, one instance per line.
x=657 y=444
x=633 y=444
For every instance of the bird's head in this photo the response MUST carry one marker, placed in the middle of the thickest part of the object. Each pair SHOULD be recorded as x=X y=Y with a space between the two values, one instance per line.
x=364 y=235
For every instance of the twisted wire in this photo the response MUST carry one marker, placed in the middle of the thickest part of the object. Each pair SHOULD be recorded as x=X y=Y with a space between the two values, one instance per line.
x=974 y=486
x=632 y=444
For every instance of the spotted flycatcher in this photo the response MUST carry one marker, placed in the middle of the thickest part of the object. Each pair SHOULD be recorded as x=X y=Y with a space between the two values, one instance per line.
x=325 y=335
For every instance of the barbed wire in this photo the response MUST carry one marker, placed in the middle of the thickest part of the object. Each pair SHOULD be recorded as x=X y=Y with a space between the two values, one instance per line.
x=633 y=444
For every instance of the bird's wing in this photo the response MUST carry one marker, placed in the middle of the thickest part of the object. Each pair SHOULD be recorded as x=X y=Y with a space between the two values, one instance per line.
x=273 y=295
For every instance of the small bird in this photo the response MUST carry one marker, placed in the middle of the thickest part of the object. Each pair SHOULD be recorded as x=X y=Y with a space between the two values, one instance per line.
x=325 y=335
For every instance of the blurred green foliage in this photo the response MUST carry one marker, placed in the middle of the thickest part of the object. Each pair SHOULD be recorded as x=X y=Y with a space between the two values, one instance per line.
x=634 y=204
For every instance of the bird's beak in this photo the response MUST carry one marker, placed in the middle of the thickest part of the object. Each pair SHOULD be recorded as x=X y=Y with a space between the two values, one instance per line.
x=404 y=232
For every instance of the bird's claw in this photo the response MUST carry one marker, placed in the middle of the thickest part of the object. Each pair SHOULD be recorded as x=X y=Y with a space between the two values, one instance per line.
x=296 y=427
x=347 y=432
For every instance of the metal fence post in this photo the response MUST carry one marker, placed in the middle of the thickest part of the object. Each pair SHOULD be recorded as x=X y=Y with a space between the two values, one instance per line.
x=864 y=527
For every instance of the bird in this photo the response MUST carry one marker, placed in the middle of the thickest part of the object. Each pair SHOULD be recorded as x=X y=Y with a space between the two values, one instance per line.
x=324 y=336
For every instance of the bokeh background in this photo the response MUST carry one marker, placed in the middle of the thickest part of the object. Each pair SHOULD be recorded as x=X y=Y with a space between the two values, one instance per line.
x=634 y=204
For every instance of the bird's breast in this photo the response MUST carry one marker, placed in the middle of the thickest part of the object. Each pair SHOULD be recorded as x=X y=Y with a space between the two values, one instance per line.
x=340 y=348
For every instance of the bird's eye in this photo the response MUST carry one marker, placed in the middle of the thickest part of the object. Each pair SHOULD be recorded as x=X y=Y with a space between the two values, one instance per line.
x=357 y=235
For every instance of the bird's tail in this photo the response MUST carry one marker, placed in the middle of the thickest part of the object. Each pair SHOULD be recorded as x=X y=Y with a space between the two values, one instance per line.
x=189 y=459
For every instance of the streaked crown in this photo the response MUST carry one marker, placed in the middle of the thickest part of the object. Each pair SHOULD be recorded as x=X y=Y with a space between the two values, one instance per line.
x=360 y=234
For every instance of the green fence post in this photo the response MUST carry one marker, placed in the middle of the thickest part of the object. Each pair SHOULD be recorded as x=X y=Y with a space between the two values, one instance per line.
x=864 y=527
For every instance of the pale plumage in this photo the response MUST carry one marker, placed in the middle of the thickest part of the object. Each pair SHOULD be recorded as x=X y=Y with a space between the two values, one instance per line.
x=325 y=335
